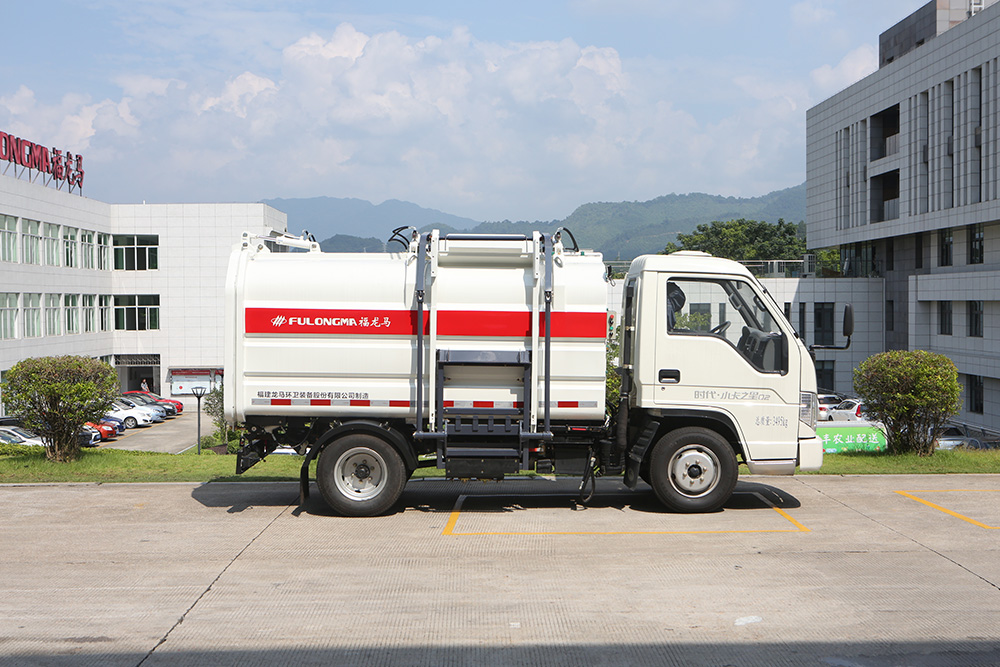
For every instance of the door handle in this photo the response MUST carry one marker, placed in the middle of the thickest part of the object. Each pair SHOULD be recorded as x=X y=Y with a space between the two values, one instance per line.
x=670 y=375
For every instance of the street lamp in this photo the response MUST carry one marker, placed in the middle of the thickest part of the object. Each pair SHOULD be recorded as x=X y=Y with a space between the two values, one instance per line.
x=198 y=392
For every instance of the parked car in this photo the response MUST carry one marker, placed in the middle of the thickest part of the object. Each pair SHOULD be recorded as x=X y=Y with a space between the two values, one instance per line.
x=159 y=399
x=8 y=439
x=952 y=437
x=89 y=437
x=155 y=413
x=851 y=410
x=140 y=398
x=107 y=431
x=114 y=422
x=130 y=416
x=826 y=403
x=20 y=436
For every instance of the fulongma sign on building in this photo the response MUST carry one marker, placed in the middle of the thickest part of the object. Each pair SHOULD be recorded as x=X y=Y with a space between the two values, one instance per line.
x=52 y=164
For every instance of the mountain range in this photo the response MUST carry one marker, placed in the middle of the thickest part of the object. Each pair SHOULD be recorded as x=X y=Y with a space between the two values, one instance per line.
x=619 y=230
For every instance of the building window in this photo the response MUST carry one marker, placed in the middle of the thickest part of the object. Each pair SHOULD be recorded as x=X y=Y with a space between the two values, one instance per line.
x=8 y=238
x=976 y=244
x=89 y=313
x=8 y=315
x=825 y=375
x=944 y=247
x=890 y=315
x=788 y=311
x=890 y=255
x=823 y=323
x=944 y=318
x=71 y=249
x=918 y=251
x=103 y=252
x=974 y=309
x=71 y=303
x=104 y=312
x=137 y=313
x=86 y=249
x=53 y=325
x=50 y=244
x=32 y=315
x=975 y=389
x=802 y=321
x=31 y=242
x=136 y=253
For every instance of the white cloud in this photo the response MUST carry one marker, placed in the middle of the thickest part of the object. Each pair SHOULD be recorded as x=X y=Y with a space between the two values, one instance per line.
x=811 y=12
x=479 y=128
x=853 y=67
x=239 y=93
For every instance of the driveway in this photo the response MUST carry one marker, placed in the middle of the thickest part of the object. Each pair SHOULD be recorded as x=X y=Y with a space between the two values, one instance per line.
x=810 y=570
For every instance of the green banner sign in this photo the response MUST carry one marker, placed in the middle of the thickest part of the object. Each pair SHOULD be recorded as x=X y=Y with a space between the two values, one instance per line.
x=851 y=438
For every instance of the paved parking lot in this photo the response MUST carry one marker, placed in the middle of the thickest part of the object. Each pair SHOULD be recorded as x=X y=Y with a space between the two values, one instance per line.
x=810 y=570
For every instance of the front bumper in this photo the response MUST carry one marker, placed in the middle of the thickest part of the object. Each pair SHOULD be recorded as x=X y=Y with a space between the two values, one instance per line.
x=810 y=454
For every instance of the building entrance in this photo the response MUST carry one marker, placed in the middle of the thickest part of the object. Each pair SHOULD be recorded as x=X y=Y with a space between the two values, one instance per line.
x=136 y=369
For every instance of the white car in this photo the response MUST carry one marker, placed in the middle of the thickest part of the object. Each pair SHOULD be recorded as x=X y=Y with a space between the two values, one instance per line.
x=155 y=415
x=21 y=436
x=851 y=410
x=826 y=403
x=130 y=416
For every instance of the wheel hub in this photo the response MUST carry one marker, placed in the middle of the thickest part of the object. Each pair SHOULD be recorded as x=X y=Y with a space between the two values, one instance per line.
x=694 y=470
x=360 y=473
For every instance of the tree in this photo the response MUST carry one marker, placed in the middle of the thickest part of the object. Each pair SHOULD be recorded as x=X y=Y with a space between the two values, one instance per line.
x=54 y=396
x=743 y=240
x=913 y=393
x=215 y=408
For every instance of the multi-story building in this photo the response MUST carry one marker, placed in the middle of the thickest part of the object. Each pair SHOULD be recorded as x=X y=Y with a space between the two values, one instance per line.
x=140 y=286
x=902 y=175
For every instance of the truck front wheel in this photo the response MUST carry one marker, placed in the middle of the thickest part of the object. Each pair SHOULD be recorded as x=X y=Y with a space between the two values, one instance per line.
x=360 y=475
x=693 y=469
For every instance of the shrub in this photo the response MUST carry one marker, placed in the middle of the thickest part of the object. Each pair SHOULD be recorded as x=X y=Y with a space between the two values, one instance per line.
x=54 y=396
x=15 y=449
x=913 y=393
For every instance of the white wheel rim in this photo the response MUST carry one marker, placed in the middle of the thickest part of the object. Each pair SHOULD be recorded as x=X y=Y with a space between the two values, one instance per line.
x=694 y=471
x=360 y=473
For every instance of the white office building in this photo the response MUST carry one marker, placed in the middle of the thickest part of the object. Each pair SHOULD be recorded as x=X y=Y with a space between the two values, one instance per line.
x=902 y=175
x=140 y=286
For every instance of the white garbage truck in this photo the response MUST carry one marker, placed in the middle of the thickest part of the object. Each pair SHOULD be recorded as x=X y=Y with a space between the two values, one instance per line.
x=485 y=356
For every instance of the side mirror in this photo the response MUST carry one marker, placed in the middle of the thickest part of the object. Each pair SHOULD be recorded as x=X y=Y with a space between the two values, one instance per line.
x=848 y=321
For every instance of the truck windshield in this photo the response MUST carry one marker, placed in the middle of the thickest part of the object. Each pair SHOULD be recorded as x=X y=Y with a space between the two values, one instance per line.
x=731 y=310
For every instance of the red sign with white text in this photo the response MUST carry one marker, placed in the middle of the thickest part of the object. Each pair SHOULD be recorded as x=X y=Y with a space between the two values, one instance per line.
x=503 y=324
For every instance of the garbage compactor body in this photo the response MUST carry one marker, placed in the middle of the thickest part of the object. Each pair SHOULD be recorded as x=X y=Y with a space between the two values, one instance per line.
x=341 y=336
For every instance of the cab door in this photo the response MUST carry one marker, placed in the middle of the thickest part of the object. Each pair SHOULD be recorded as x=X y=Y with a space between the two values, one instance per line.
x=719 y=346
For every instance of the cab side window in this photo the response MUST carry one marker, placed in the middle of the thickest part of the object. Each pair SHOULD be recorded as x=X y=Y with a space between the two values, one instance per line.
x=729 y=310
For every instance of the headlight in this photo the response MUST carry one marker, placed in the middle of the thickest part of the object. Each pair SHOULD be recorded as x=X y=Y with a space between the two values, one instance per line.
x=808 y=409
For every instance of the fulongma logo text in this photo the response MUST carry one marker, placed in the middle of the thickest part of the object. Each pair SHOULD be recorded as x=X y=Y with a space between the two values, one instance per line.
x=355 y=322
x=295 y=321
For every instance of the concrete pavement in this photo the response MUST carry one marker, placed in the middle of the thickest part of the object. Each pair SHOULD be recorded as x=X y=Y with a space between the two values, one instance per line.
x=811 y=570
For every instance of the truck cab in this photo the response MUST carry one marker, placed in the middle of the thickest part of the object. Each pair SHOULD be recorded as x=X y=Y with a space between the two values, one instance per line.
x=706 y=351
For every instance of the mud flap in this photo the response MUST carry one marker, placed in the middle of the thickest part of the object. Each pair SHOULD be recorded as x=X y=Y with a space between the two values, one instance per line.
x=638 y=452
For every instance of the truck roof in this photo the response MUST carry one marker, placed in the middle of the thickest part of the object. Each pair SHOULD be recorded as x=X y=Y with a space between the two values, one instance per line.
x=688 y=261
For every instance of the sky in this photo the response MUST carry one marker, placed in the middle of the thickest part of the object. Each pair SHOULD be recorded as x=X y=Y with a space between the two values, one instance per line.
x=519 y=110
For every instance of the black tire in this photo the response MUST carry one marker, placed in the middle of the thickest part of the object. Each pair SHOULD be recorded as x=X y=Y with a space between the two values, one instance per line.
x=360 y=475
x=693 y=469
x=130 y=422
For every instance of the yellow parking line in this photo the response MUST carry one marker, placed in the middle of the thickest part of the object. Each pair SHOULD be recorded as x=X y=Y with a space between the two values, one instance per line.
x=909 y=494
x=449 y=528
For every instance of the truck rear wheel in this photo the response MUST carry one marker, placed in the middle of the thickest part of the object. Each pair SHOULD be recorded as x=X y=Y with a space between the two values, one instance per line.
x=360 y=475
x=693 y=469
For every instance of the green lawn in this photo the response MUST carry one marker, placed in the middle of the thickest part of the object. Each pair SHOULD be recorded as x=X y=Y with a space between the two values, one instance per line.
x=113 y=465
